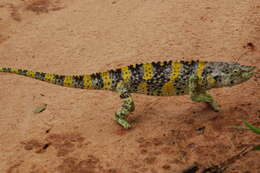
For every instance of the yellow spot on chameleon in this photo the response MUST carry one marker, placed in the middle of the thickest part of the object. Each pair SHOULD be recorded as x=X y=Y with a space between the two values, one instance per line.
x=30 y=73
x=142 y=88
x=125 y=73
x=68 y=82
x=176 y=69
x=148 y=71
x=211 y=81
x=200 y=68
x=49 y=77
x=87 y=81
x=106 y=80
x=168 y=89
x=14 y=70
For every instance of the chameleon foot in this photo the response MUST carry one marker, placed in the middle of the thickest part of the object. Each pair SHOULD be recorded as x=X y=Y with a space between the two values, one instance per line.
x=123 y=122
x=201 y=96
x=204 y=97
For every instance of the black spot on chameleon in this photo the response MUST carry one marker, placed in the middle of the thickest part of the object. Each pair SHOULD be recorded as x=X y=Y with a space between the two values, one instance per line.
x=124 y=95
x=59 y=79
x=97 y=80
x=22 y=72
x=78 y=81
x=217 y=78
x=7 y=69
x=40 y=76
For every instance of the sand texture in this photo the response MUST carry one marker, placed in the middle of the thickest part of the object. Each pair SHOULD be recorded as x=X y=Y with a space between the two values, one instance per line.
x=76 y=132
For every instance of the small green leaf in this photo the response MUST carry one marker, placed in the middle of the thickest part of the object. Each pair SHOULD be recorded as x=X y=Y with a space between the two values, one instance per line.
x=251 y=127
x=40 y=108
x=238 y=127
x=256 y=147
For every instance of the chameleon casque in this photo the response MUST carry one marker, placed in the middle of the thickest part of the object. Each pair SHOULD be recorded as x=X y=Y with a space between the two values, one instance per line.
x=166 y=78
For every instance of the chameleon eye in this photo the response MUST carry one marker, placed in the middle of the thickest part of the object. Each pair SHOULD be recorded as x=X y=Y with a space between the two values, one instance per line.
x=235 y=71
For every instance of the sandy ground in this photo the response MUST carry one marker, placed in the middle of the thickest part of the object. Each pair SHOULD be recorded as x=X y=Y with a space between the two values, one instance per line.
x=76 y=133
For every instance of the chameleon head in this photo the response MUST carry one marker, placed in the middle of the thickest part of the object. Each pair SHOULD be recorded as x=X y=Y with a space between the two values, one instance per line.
x=229 y=74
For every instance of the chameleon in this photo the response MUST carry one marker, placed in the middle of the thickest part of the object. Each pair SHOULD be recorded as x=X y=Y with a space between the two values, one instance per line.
x=165 y=78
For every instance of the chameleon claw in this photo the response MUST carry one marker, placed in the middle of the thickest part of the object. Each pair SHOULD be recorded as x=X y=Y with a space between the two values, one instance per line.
x=215 y=107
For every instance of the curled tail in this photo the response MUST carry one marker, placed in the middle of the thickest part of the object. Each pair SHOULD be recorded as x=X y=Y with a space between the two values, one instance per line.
x=80 y=81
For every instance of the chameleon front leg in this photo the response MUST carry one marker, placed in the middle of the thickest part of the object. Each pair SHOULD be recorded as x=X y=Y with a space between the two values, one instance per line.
x=127 y=106
x=199 y=95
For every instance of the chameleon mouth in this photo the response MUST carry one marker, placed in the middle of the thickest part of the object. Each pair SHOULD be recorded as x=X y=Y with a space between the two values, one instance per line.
x=253 y=69
x=248 y=74
x=248 y=68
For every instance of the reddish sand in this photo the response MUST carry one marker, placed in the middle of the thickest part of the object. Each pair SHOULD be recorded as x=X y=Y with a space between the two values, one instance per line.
x=77 y=133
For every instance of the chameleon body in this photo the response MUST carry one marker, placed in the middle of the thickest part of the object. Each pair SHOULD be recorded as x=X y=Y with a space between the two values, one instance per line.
x=166 y=78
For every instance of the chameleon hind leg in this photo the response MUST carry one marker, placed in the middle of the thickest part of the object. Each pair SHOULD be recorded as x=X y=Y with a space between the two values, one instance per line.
x=127 y=106
x=200 y=95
